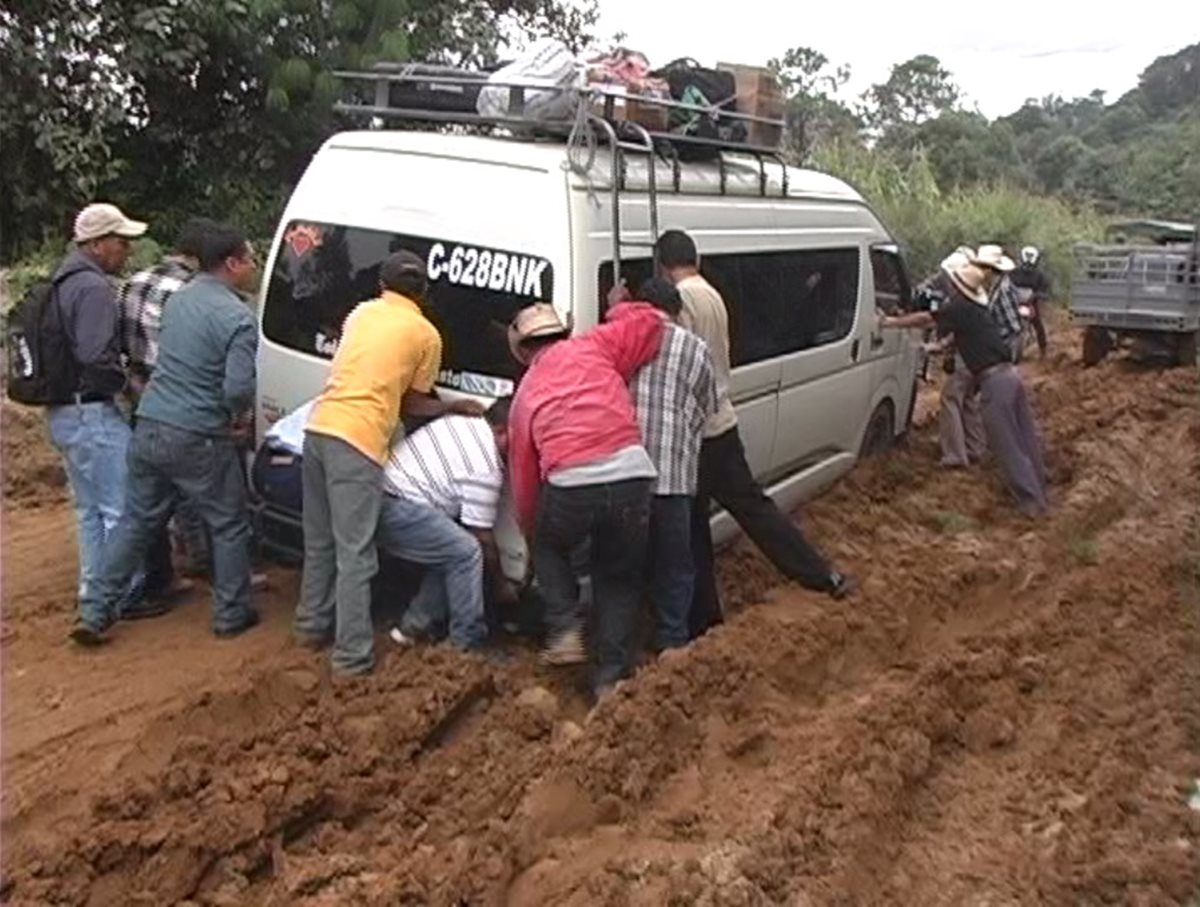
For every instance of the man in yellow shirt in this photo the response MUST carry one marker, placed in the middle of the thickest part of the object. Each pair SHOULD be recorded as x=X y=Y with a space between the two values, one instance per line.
x=386 y=363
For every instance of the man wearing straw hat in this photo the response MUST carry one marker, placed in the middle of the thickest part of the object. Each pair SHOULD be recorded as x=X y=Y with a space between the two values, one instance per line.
x=1008 y=417
x=960 y=424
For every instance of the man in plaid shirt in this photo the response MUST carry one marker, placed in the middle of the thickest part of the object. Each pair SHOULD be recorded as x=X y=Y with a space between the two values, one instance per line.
x=142 y=301
x=674 y=396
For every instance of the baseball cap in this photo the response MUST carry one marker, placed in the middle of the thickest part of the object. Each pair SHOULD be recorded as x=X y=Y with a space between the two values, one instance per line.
x=102 y=219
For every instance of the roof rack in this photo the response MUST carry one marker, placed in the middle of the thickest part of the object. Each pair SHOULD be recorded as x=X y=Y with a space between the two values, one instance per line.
x=581 y=124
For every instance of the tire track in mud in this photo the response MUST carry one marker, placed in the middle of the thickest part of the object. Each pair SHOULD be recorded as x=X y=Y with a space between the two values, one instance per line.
x=996 y=716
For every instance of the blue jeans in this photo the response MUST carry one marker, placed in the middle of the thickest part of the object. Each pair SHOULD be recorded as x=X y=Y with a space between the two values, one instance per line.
x=93 y=439
x=672 y=570
x=165 y=462
x=453 y=582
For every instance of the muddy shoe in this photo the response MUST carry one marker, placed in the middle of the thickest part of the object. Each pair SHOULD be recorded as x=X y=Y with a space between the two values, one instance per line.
x=566 y=649
x=843 y=586
x=87 y=636
x=312 y=642
x=145 y=610
x=249 y=622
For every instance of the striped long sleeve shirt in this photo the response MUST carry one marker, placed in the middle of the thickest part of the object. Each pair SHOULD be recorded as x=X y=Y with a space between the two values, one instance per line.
x=675 y=395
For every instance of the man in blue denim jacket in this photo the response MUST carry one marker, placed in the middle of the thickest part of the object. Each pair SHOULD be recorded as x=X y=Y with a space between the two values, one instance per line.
x=202 y=384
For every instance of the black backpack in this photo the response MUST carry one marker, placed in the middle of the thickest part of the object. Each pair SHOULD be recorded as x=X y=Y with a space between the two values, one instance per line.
x=42 y=370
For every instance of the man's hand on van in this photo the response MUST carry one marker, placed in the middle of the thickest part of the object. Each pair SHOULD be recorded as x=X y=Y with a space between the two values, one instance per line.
x=619 y=293
x=466 y=407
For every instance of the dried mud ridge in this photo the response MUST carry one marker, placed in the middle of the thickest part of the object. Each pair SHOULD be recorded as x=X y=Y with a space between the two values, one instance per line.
x=1005 y=715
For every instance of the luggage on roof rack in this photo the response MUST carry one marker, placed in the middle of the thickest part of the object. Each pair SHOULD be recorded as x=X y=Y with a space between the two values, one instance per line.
x=586 y=118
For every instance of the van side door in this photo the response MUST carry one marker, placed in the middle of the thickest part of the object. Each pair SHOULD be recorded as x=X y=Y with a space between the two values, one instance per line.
x=825 y=375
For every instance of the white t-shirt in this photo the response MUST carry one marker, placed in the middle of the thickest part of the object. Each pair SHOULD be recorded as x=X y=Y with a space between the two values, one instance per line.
x=453 y=465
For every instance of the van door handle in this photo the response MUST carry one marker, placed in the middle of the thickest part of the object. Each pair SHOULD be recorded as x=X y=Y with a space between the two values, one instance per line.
x=854 y=348
x=877 y=340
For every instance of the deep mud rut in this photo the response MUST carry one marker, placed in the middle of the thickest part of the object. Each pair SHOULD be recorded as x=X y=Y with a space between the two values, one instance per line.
x=1006 y=714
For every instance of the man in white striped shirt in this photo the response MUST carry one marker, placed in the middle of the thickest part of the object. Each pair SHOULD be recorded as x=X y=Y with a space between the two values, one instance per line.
x=442 y=487
x=674 y=395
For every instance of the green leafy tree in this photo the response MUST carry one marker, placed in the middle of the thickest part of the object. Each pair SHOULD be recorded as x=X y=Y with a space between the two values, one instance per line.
x=813 y=113
x=175 y=107
x=916 y=90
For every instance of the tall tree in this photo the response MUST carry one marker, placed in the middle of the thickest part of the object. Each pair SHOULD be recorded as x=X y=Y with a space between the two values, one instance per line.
x=179 y=106
x=813 y=113
x=916 y=90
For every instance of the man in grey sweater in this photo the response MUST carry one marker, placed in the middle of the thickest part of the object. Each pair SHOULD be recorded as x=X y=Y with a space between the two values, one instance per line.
x=202 y=383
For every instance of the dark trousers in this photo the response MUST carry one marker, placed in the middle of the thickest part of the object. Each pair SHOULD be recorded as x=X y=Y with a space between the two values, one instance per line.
x=615 y=518
x=726 y=478
x=164 y=463
x=1014 y=437
x=672 y=569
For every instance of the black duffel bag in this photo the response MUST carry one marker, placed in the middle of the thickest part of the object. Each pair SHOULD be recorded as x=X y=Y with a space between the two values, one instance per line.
x=418 y=94
x=691 y=83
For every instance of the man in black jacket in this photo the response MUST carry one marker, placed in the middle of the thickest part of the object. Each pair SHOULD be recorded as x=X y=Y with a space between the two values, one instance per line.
x=91 y=433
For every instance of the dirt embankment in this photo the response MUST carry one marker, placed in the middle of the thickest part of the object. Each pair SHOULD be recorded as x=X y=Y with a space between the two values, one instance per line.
x=1006 y=714
x=32 y=470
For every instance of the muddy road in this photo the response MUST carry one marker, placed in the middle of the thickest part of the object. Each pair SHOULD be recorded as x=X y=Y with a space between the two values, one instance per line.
x=1008 y=713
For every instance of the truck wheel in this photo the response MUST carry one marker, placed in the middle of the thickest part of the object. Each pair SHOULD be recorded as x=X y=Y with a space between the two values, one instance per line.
x=881 y=432
x=1097 y=343
x=1185 y=349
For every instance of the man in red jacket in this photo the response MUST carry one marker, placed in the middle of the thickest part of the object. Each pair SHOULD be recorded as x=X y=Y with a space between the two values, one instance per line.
x=579 y=473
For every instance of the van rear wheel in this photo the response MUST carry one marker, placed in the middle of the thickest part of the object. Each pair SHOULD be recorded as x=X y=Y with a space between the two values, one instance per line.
x=881 y=432
x=1185 y=349
x=1097 y=343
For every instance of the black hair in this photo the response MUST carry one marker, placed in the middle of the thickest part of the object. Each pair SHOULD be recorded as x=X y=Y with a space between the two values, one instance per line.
x=497 y=413
x=534 y=345
x=190 y=239
x=219 y=242
x=404 y=272
x=675 y=249
x=661 y=293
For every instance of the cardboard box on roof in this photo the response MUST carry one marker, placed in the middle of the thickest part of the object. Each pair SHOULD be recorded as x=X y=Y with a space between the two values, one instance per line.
x=758 y=95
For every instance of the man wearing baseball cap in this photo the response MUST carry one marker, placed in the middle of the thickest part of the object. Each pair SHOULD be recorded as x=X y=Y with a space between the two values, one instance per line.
x=387 y=361
x=90 y=432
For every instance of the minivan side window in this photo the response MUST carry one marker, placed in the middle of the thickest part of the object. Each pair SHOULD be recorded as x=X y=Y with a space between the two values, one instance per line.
x=892 y=291
x=778 y=302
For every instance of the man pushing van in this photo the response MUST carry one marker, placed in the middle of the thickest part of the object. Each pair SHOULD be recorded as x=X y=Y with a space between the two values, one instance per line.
x=386 y=363
x=725 y=475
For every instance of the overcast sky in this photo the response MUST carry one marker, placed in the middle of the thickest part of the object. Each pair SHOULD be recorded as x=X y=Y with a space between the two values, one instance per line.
x=1000 y=54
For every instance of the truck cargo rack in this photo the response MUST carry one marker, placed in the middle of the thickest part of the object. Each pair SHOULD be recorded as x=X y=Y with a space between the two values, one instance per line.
x=582 y=126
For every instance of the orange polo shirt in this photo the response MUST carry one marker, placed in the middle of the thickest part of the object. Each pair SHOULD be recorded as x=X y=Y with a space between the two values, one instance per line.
x=387 y=348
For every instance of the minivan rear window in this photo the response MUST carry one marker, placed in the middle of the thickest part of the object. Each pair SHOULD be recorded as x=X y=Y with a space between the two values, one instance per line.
x=322 y=271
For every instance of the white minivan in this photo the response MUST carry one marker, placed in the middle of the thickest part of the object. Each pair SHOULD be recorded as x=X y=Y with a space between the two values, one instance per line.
x=800 y=259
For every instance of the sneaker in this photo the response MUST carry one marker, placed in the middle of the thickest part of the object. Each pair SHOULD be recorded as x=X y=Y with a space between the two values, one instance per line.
x=566 y=649
x=259 y=582
x=249 y=622
x=843 y=586
x=145 y=610
x=400 y=638
x=88 y=637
